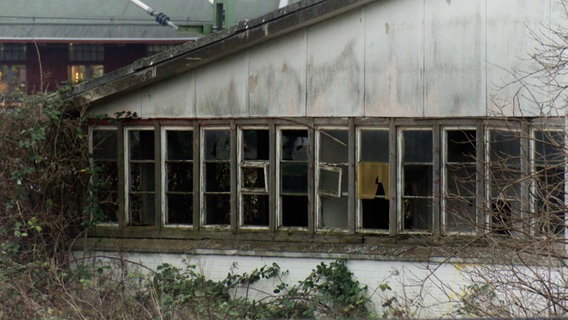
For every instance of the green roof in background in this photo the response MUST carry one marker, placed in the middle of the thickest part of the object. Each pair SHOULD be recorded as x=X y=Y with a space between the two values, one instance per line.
x=113 y=20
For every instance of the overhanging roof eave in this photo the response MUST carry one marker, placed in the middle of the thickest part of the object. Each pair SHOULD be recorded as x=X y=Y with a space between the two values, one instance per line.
x=205 y=50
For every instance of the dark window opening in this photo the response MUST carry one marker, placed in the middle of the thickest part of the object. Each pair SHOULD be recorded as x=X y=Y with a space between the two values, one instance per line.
x=294 y=178
x=254 y=177
x=549 y=182
x=179 y=177
x=217 y=176
x=460 y=181
x=505 y=177
x=417 y=195
x=141 y=177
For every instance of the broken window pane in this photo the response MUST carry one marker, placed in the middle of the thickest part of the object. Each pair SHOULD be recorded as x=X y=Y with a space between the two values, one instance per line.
x=333 y=146
x=330 y=181
x=294 y=211
x=294 y=145
x=373 y=178
x=417 y=180
x=217 y=144
x=503 y=215
x=255 y=144
x=254 y=200
x=333 y=158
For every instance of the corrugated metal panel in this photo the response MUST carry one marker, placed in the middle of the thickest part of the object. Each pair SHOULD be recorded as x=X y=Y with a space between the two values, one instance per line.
x=86 y=19
x=110 y=19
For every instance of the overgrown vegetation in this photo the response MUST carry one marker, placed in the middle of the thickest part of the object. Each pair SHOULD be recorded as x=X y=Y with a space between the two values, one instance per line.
x=46 y=205
x=42 y=195
x=329 y=292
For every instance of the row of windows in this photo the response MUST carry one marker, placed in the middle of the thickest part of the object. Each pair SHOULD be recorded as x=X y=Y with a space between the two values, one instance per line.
x=13 y=52
x=81 y=53
x=391 y=179
x=86 y=63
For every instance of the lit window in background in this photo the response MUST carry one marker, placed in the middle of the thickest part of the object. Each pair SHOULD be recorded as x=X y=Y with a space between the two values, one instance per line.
x=87 y=61
x=12 y=78
x=81 y=72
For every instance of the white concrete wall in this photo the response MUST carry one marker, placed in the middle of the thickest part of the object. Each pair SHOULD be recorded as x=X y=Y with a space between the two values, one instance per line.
x=430 y=286
x=403 y=58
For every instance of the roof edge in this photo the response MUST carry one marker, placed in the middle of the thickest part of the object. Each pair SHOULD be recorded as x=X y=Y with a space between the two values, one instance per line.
x=192 y=55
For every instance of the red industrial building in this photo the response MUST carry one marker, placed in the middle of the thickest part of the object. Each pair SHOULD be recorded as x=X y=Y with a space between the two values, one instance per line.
x=46 y=43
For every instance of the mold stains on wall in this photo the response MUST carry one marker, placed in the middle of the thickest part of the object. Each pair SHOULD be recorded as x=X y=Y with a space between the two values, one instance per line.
x=334 y=87
x=253 y=81
x=223 y=101
x=277 y=90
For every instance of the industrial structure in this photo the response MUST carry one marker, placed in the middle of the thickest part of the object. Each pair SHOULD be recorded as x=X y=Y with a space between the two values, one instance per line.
x=327 y=129
x=43 y=44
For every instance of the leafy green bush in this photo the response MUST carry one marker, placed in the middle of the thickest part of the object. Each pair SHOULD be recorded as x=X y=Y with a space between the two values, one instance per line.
x=329 y=292
x=42 y=196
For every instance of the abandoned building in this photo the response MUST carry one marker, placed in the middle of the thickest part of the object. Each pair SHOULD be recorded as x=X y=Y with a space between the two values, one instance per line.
x=326 y=129
x=44 y=44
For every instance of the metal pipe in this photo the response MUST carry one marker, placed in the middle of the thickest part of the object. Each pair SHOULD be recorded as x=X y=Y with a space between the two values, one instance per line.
x=161 y=18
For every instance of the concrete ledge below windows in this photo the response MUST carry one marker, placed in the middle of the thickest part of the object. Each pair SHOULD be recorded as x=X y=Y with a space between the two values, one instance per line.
x=379 y=249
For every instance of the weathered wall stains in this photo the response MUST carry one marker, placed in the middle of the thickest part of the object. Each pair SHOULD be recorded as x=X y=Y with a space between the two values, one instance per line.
x=393 y=61
x=509 y=44
x=221 y=88
x=335 y=67
x=279 y=73
x=390 y=58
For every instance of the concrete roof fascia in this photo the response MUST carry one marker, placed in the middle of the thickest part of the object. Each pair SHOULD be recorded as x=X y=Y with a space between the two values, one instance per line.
x=192 y=55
